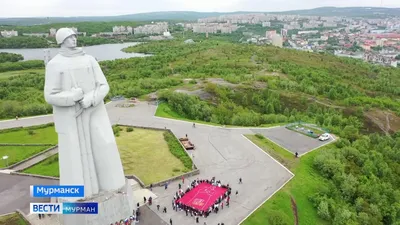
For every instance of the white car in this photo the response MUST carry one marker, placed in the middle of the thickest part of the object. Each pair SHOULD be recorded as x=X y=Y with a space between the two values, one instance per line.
x=324 y=137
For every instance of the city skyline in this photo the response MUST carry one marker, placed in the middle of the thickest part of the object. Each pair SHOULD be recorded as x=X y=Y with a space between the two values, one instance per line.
x=71 y=8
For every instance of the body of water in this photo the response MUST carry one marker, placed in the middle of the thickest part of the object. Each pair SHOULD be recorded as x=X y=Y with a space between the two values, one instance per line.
x=100 y=52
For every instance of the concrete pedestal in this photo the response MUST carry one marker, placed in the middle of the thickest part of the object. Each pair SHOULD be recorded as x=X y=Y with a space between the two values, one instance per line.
x=113 y=206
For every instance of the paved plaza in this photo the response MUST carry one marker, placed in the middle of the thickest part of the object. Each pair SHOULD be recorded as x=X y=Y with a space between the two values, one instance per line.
x=15 y=192
x=220 y=152
x=291 y=140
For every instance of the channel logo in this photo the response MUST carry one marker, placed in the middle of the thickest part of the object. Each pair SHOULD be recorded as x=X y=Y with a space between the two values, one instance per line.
x=64 y=208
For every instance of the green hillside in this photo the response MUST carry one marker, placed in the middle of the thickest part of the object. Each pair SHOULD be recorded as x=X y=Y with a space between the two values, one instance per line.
x=220 y=82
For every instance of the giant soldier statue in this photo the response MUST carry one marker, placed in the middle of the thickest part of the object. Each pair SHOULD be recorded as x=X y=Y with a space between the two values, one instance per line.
x=76 y=86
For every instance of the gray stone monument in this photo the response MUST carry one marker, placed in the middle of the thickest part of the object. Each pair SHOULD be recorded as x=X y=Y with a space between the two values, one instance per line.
x=88 y=155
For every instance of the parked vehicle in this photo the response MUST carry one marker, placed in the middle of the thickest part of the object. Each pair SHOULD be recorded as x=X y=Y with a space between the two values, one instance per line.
x=324 y=137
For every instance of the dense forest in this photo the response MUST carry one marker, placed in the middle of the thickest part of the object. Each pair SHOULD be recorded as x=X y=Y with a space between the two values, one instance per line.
x=41 y=42
x=268 y=85
x=364 y=181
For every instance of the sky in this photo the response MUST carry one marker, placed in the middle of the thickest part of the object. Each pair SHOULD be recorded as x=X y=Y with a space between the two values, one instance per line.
x=61 y=8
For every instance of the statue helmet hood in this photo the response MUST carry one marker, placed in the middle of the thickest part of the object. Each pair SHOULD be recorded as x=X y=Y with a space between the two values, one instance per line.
x=63 y=33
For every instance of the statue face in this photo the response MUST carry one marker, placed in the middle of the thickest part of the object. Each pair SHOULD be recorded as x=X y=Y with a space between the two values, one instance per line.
x=70 y=42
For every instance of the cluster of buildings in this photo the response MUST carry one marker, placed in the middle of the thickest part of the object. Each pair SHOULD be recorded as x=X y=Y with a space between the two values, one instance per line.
x=373 y=40
x=154 y=28
x=117 y=31
x=52 y=33
x=9 y=33
x=212 y=28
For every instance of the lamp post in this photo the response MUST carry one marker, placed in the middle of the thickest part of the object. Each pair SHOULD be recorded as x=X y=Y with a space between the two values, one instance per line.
x=6 y=159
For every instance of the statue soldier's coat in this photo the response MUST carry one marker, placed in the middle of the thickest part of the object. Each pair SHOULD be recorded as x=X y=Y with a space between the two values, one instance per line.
x=76 y=87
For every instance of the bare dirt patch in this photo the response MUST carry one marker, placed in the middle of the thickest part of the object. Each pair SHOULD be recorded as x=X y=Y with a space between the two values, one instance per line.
x=222 y=82
x=200 y=93
x=388 y=122
x=294 y=208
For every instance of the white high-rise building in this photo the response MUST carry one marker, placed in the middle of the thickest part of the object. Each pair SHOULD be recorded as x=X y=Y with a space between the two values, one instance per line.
x=277 y=40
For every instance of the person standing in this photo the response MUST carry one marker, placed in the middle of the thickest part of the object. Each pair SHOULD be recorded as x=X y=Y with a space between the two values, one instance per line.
x=165 y=210
x=183 y=179
x=158 y=207
x=179 y=186
x=240 y=180
x=237 y=192
x=170 y=221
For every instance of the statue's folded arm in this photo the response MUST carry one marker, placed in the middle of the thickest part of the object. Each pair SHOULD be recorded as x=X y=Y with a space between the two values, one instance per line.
x=102 y=87
x=53 y=92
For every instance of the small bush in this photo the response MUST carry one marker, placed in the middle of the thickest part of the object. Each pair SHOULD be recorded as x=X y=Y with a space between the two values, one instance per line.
x=176 y=170
x=129 y=129
x=31 y=132
x=193 y=82
x=116 y=130
x=260 y=136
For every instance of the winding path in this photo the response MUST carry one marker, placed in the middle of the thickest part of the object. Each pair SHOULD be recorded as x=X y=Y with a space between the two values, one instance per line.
x=221 y=152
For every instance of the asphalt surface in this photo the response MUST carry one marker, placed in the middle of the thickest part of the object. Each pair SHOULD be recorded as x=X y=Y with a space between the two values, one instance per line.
x=220 y=152
x=291 y=140
x=15 y=192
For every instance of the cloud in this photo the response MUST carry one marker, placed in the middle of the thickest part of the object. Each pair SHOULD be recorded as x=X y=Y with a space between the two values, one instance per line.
x=44 y=8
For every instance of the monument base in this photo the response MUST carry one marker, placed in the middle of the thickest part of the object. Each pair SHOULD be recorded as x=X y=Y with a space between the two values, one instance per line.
x=113 y=206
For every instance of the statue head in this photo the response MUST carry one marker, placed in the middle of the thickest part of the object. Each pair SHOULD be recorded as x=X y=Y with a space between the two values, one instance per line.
x=66 y=37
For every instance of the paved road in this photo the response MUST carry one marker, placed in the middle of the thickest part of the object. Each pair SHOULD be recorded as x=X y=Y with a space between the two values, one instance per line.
x=15 y=192
x=290 y=140
x=220 y=152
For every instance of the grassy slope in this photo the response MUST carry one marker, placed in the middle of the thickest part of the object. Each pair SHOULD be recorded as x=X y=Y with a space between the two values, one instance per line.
x=46 y=135
x=143 y=153
x=12 y=219
x=18 y=153
x=163 y=110
x=304 y=184
x=48 y=167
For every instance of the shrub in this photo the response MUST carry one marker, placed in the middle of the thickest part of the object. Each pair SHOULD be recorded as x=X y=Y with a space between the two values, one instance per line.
x=260 y=136
x=116 y=130
x=31 y=132
x=129 y=129
x=177 y=150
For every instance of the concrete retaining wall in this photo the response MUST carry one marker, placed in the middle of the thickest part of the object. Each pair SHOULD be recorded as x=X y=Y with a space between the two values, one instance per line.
x=38 y=154
x=137 y=179
x=186 y=175
x=13 y=144
x=35 y=175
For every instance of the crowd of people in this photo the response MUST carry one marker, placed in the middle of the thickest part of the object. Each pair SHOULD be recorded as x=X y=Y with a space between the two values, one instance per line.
x=216 y=206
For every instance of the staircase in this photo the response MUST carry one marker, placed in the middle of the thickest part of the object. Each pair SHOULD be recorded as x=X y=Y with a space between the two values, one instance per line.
x=134 y=184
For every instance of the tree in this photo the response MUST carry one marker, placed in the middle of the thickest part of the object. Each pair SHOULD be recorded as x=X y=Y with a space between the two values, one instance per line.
x=323 y=210
x=350 y=132
x=10 y=57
